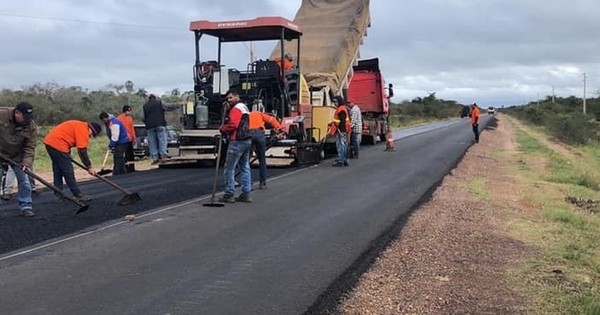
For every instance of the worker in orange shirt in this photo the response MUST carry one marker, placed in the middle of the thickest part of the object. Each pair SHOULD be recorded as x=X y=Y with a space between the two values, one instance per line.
x=288 y=62
x=259 y=141
x=59 y=141
x=475 y=121
x=127 y=119
x=341 y=127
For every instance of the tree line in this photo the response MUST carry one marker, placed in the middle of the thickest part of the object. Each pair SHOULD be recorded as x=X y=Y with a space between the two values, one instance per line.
x=54 y=103
x=563 y=118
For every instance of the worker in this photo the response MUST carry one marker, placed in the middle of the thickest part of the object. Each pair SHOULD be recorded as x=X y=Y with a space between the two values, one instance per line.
x=18 y=134
x=117 y=141
x=156 y=126
x=288 y=62
x=356 y=134
x=59 y=141
x=126 y=117
x=259 y=141
x=340 y=127
x=475 y=121
x=238 y=151
x=8 y=183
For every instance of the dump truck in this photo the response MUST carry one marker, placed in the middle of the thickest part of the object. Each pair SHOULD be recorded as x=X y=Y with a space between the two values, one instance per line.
x=367 y=89
x=333 y=32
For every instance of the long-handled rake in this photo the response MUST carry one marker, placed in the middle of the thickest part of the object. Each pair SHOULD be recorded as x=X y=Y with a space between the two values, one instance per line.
x=212 y=202
x=130 y=197
x=82 y=206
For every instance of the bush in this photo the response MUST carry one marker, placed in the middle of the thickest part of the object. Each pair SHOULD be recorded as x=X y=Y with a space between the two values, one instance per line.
x=574 y=128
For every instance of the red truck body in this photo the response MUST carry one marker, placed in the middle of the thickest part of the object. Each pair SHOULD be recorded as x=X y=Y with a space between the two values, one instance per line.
x=367 y=90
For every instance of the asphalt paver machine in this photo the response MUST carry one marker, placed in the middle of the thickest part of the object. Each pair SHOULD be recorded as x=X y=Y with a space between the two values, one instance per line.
x=264 y=85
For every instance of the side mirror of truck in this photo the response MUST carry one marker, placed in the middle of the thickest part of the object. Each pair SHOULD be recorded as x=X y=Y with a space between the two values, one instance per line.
x=390 y=90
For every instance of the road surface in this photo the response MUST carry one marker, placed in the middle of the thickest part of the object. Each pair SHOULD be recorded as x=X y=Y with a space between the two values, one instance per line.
x=277 y=255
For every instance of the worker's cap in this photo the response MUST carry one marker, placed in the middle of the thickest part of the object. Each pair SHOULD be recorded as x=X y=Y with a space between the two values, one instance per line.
x=26 y=109
x=126 y=108
x=152 y=96
x=103 y=115
x=95 y=127
x=338 y=100
x=288 y=56
x=474 y=104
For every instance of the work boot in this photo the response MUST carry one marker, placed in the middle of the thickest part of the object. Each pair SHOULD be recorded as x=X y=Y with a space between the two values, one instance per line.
x=337 y=164
x=7 y=197
x=262 y=186
x=27 y=212
x=243 y=198
x=227 y=199
x=58 y=199
x=154 y=162
x=83 y=197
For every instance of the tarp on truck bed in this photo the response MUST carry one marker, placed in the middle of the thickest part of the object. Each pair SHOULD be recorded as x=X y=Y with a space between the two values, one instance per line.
x=332 y=33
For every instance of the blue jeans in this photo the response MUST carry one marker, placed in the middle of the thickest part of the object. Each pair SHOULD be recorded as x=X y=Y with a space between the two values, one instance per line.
x=355 y=142
x=341 y=142
x=24 y=194
x=157 y=142
x=238 y=157
x=259 y=142
x=63 y=167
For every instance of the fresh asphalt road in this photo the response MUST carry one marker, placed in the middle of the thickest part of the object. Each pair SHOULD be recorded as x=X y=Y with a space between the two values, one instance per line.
x=276 y=255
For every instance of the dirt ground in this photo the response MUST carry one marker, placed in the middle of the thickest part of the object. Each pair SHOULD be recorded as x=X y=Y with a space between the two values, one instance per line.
x=453 y=255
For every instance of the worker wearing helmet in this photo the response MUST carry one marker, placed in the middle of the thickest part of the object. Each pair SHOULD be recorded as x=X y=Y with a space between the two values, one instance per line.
x=475 y=121
x=59 y=141
x=259 y=141
x=340 y=127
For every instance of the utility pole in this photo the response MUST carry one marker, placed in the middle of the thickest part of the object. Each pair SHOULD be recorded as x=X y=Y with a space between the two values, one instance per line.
x=553 y=94
x=584 y=83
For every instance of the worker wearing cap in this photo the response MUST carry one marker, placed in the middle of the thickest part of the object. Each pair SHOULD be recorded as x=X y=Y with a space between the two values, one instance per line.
x=59 y=141
x=340 y=127
x=259 y=141
x=475 y=121
x=18 y=134
x=127 y=119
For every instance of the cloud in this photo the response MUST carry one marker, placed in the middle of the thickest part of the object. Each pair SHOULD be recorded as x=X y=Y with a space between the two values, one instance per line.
x=496 y=51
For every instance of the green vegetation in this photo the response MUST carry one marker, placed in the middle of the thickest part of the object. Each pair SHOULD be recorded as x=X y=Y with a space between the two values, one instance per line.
x=563 y=119
x=53 y=103
x=423 y=110
x=563 y=274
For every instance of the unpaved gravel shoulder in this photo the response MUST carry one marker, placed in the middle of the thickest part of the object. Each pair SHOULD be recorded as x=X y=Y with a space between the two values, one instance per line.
x=453 y=255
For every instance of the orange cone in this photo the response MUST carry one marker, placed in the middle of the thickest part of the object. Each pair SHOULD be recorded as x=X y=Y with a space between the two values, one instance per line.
x=389 y=141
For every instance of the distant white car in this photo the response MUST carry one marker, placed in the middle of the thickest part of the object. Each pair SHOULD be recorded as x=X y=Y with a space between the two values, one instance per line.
x=491 y=110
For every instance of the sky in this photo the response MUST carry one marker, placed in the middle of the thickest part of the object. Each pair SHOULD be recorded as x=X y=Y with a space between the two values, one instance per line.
x=493 y=52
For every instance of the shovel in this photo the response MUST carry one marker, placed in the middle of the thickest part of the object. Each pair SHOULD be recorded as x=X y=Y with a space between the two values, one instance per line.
x=130 y=197
x=82 y=206
x=103 y=171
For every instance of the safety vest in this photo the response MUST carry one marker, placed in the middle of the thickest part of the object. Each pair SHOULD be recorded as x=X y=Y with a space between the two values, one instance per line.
x=336 y=120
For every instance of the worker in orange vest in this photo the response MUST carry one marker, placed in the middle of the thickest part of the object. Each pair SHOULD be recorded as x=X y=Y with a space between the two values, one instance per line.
x=340 y=127
x=475 y=121
x=127 y=119
x=288 y=63
x=259 y=141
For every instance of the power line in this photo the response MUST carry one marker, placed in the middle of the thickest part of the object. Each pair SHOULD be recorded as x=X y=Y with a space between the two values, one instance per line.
x=167 y=28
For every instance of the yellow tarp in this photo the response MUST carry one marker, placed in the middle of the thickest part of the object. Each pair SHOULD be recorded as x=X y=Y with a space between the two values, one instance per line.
x=332 y=33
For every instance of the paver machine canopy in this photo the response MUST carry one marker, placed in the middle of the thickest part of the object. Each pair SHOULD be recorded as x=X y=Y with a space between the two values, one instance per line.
x=261 y=84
